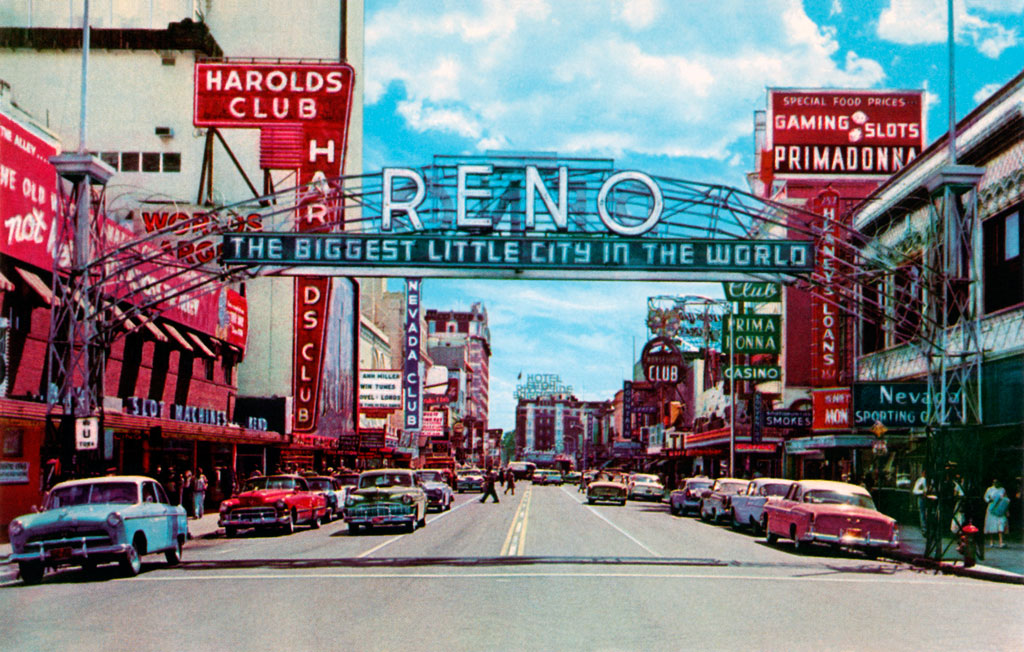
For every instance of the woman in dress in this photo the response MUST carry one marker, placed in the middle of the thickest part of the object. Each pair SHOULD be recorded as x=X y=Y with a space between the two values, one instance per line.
x=995 y=512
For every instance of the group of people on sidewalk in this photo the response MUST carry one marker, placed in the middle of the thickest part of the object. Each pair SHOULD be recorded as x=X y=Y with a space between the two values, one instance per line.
x=185 y=489
x=997 y=504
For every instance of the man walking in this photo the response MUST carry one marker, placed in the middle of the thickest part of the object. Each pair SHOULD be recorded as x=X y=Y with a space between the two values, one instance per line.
x=510 y=482
x=199 y=485
x=489 y=482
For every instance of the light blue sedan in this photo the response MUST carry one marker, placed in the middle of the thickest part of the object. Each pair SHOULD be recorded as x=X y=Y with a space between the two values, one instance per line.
x=97 y=520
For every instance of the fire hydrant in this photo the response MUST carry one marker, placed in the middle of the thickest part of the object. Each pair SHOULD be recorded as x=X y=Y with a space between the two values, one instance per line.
x=966 y=544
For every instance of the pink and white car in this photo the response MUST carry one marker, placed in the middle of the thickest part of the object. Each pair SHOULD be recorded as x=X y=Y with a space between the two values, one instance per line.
x=835 y=513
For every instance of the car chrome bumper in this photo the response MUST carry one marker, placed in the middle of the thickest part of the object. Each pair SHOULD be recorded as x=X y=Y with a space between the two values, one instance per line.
x=394 y=519
x=253 y=521
x=852 y=541
x=75 y=556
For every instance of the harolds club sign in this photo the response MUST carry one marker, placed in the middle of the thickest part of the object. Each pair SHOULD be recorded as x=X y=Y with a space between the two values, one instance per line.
x=859 y=133
x=302 y=111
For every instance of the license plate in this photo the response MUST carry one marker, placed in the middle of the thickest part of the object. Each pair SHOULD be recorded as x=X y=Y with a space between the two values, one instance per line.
x=60 y=553
x=853 y=534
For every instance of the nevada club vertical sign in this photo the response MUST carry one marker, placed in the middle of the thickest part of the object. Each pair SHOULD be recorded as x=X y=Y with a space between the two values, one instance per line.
x=411 y=385
x=825 y=330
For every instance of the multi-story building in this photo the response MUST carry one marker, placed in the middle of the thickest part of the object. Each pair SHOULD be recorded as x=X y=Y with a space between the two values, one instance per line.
x=236 y=395
x=462 y=341
x=558 y=429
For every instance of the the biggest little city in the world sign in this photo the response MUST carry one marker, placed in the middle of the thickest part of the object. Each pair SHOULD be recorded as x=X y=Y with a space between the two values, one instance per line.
x=551 y=238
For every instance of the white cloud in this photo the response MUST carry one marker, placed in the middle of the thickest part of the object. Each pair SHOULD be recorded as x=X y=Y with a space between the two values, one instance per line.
x=921 y=22
x=639 y=14
x=985 y=91
x=564 y=76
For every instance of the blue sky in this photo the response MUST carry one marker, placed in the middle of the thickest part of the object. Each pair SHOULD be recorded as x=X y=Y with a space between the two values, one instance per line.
x=663 y=86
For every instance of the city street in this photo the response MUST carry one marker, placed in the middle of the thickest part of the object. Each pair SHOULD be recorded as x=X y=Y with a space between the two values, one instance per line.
x=540 y=570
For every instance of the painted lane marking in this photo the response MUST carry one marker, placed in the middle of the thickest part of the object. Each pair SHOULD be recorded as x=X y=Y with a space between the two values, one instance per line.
x=399 y=537
x=516 y=529
x=526 y=520
x=593 y=511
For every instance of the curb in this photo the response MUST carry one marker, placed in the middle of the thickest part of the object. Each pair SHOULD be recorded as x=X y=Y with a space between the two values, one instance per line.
x=957 y=568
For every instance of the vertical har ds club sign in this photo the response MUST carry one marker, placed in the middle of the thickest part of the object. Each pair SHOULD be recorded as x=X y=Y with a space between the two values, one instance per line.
x=411 y=384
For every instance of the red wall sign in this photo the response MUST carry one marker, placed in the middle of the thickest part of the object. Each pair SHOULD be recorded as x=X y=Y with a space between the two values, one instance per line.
x=831 y=408
x=859 y=133
x=257 y=94
x=28 y=195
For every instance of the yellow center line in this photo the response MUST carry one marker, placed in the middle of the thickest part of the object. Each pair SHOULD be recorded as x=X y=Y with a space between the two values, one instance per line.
x=515 y=528
x=526 y=519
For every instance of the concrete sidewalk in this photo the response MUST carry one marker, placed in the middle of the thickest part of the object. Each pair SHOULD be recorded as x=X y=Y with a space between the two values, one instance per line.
x=1000 y=564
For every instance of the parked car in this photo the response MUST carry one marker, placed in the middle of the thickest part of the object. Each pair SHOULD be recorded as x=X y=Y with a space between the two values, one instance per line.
x=273 y=502
x=572 y=477
x=386 y=497
x=835 y=513
x=609 y=491
x=98 y=520
x=748 y=507
x=332 y=490
x=439 y=492
x=469 y=480
x=645 y=486
x=547 y=476
x=715 y=505
x=686 y=499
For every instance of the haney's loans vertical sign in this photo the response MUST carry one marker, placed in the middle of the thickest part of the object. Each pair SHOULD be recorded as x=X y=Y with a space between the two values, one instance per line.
x=411 y=371
x=825 y=326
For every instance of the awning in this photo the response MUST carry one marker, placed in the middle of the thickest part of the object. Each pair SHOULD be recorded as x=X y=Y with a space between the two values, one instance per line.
x=202 y=346
x=129 y=325
x=5 y=284
x=812 y=444
x=148 y=323
x=38 y=285
x=177 y=336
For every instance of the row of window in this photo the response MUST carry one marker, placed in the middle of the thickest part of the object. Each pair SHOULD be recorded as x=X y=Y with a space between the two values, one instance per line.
x=143 y=161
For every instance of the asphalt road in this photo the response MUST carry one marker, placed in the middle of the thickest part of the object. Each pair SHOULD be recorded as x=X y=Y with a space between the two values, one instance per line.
x=538 y=571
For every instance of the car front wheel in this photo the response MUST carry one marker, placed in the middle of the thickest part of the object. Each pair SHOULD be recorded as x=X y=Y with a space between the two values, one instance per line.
x=31 y=572
x=131 y=563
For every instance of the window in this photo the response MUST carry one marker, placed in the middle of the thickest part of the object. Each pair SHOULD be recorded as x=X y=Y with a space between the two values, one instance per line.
x=110 y=158
x=129 y=161
x=872 y=334
x=907 y=302
x=151 y=162
x=1003 y=275
x=172 y=162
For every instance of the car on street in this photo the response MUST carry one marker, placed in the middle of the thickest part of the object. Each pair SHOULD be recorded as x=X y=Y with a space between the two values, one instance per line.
x=522 y=470
x=715 y=505
x=687 y=498
x=439 y=492
x=98 y=520
x=332 y=490
x=747 y=508
x=645 y=486
x=547 y=476
x=607 y=491
x=386 y=497
x=469 y=480
x=835 y=513
x=572 y=477
x=279 y=502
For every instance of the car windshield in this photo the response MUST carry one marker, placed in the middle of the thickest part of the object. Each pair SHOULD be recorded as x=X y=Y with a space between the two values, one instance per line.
x=319 y=484
x=429 y=476
x=273 y=482
x=385 y=480
x=822 y=496
x=645 y=478
x=698 y=484
x=352 y=479
x=122 y=493
x=776 y=489
x=732 y=487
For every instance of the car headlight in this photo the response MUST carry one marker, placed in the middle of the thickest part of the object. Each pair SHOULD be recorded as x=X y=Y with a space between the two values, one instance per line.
x=350 y=501
x=114 y=519
x=407 y=499
x=280 y=505
x=15 y=528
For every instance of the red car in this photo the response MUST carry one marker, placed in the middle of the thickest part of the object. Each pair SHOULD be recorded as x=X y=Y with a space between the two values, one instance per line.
x=835 y=513
x=275 y=501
